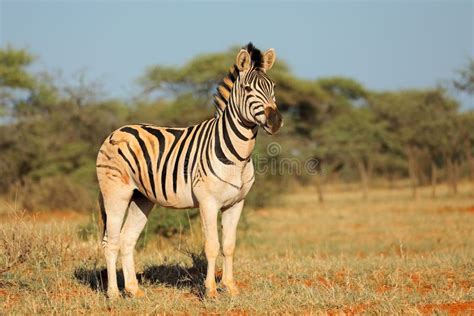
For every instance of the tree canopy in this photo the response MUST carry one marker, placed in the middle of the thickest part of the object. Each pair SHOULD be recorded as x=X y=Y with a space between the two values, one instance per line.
x=50 y=131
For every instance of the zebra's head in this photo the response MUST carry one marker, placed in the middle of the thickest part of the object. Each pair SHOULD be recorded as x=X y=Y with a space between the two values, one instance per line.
x=257 y=90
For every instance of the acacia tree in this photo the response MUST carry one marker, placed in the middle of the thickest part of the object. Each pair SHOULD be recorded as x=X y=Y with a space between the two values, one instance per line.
x=357 y=138
x=199 y=76
x=424 y=123
x=401 y=112
x=465 y=83
x=466 y=123
x=14 y=82
x=439 y=134
x=311 y=106
x=465 y=80
x=14 y=77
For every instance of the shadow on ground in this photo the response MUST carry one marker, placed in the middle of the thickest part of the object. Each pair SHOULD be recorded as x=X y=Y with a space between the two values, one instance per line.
x=174 y=275
x=96 y=279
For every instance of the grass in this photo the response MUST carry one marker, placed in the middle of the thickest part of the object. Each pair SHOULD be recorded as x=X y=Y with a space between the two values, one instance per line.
x=390 y=254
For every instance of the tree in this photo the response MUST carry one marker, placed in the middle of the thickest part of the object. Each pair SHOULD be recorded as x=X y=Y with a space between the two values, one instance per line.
x=402 y=113
x=14 y=77
x=465 y=80
x=199 y=76
x=466 y=123
x=356 y=137
x=422 y=122
x=439 y=134
x=465 y=83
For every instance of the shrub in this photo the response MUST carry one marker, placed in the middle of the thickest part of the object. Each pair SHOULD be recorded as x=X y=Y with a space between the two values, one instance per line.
x=53 y=193
x=168 y=222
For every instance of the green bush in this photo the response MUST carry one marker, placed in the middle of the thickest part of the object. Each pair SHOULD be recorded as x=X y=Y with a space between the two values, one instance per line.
x=265 y=192
x=168 y=223
x=89 y=230
x=53 y=193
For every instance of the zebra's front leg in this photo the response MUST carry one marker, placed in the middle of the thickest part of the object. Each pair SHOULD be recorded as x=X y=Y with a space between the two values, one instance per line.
x=209 y=212
x=230 y=219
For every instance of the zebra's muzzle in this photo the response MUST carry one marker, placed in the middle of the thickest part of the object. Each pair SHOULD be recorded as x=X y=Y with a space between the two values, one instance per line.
x=274 y=120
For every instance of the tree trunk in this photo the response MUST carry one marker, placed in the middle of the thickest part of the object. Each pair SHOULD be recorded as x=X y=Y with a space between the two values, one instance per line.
x=471 y=168
x=455 y=177
x=391 y=184
x=434 y=178
x=451 y=174
x=364 y=177
x=412 y=173
x=470 y=159
x=319 y=188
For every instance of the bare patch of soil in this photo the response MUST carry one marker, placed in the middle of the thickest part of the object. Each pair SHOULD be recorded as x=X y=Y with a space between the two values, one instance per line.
x=460 y=308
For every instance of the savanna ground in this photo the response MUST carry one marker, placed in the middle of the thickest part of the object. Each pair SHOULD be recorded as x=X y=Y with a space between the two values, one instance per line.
x=390 y=254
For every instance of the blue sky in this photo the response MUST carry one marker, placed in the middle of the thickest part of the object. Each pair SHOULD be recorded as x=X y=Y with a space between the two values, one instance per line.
x=383 y=44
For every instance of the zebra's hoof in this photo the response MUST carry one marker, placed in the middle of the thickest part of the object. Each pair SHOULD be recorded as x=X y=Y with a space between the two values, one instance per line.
x=211 y=293
x=135 y=292
x=112 y=295
x=232 y=289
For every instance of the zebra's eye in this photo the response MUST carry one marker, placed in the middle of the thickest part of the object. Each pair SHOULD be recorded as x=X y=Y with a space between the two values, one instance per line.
x=248 y=88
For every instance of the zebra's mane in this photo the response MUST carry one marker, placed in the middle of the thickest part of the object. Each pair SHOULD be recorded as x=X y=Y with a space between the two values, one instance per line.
x=221 y=97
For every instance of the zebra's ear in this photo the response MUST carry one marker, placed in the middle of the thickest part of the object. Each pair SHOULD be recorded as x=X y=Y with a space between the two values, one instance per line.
x=243 y=60
x=269 y=58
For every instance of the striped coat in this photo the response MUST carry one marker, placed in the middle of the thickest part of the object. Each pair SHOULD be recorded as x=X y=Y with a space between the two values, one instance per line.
x=168 y=165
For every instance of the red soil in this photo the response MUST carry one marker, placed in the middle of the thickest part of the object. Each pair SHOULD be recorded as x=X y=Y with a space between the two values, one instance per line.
x=241 y=284
x=469 y=209
x=9 y=299
x=324 y=281
x=462 y=308
x=349 y=310
x=237 y=312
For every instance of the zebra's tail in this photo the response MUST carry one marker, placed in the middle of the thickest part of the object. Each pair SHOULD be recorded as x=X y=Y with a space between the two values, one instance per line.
x=102 y=221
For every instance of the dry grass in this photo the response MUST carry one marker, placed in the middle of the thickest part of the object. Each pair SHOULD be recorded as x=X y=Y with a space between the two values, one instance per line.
x=387 y=255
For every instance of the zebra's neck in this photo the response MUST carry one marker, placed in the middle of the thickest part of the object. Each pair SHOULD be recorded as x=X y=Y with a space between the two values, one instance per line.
x=237 y=138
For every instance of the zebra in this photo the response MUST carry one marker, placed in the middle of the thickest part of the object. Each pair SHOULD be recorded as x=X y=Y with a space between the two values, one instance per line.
x=206 y=166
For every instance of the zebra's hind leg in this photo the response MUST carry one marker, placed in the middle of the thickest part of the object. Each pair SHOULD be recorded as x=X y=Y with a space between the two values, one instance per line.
x=115 y=201
x=138 y=212
x=230 y=219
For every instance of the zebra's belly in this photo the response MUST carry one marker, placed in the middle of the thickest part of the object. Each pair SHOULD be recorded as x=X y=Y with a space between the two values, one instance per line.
x=189 y=194
x=225 y=195
x=182 y=199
